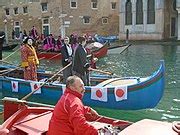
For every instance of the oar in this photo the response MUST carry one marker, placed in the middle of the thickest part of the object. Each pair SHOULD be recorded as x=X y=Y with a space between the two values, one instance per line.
x=11 y=54
x=10 y=70
x=100 y=71
x=28 y=95
x=54 y=56
x=8 y=62
x=125 y=48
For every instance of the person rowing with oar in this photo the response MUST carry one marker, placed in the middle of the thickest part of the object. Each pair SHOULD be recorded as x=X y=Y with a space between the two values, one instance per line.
x=29 y=59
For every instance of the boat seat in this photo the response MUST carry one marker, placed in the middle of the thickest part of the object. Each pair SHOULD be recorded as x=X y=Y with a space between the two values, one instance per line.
x=118 y=81
x=34 y=124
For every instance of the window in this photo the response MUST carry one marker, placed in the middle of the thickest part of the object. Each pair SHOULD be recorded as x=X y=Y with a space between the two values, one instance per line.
x=94 y=4
x=44 y=7
x=128 y=14
x=174 y=5
x=7 y=11
x=46 y=21
x=45 y=27
x=86 y=19
x=16 y=11
x=25 y=10
x=104 y=20
x=151 y=12
x=139 y=12
x=113 y=5
x=73 y=4
x=17 y=29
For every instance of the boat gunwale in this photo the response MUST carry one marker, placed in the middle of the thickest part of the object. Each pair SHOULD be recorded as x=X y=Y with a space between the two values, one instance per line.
x=156 y=76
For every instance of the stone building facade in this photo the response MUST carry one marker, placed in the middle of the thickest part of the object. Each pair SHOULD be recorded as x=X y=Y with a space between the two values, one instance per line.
x=148 y=19
x=61 y=17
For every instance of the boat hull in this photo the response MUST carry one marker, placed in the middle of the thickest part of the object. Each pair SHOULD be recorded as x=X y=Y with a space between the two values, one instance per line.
x=118 y=49
x=21 y=118
x=102 y=52
x=144 y=93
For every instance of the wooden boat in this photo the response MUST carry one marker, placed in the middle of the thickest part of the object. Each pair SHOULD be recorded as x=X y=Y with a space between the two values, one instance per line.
x=118 y=49
x=127 y=93
x=98 y=52
x=103 y=39
x=21 y=118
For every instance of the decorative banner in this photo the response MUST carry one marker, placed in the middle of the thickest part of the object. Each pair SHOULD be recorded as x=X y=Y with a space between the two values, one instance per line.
x=14 y=86
x=35 y=86
x=120 y=93
x=99 y=94
x=63 y=88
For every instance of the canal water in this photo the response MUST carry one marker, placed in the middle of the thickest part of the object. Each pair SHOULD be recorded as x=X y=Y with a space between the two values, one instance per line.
x=139 y=60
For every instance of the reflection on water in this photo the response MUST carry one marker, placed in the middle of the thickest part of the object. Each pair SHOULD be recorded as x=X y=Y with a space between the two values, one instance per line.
x=139 y=60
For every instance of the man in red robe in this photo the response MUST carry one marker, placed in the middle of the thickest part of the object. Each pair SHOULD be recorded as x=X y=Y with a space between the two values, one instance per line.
x=69 y=115
x=29 y=60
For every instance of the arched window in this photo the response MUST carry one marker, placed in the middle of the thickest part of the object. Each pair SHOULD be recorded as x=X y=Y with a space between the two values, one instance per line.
x=151 y=12
x=128 y=13
x=139 y=12
x=174 y=4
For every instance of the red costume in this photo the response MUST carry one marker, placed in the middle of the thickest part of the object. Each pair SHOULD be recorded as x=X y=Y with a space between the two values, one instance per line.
x=29 y=62
x=69 y=116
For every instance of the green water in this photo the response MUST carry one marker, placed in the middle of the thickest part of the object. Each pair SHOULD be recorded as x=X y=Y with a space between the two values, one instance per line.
x=138 y=60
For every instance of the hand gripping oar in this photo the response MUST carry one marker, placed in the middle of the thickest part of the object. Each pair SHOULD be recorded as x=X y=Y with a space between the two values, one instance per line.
x=28 y=95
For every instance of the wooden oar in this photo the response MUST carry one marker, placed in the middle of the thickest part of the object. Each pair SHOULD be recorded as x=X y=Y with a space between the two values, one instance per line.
x=7 y=62
x=125 y=48
x=11 y=54
x=100 y=71
x=54 y=56
x=28 y=95
x=10 y=70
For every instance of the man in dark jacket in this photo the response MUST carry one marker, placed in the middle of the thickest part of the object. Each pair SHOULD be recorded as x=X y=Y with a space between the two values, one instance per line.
x=66 y=51
x=80 y=64
x=2 y=36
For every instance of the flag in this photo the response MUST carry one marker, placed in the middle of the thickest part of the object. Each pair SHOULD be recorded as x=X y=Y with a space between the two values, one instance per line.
x=35 y=86
x=99 y=94
x=120 y=93
x=14 y=85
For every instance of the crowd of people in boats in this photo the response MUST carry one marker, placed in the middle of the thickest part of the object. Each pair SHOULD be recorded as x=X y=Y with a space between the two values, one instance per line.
x=50 y=43
x=72 y=50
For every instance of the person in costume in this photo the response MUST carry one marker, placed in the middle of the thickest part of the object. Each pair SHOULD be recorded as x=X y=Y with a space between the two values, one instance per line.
x=34 y=33
x=29 y=60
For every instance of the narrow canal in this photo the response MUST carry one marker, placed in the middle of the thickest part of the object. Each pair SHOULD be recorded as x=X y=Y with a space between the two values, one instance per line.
x=138 y=60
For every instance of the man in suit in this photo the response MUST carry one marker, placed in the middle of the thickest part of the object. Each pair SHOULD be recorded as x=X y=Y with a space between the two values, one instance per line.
x=2 y=36
x=67 y=52
x=80 y=64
